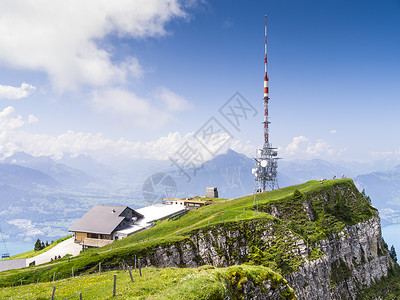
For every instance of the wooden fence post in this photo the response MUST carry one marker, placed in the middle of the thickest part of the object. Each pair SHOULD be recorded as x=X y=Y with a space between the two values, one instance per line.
x=140 y=268
x=54 y=293
x=99 y=268
x=80 y=296
x=115 y=285
x=135 y=263
x=72 y=272
x=130 y=273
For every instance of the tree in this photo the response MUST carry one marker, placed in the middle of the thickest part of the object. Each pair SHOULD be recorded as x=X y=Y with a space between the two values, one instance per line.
x=392 y=253
x=367 y=198
x=38 y=245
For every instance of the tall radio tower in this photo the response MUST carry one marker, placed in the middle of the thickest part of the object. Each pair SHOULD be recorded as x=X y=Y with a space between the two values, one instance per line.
x=266 y=158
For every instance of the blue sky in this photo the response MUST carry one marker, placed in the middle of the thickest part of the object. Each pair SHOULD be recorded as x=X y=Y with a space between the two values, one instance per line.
x=138 y=78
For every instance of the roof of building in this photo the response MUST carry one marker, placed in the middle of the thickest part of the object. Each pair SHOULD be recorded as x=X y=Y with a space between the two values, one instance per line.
x=206 y=200
x=12 y=264
x=157 y=212
x=102 y=219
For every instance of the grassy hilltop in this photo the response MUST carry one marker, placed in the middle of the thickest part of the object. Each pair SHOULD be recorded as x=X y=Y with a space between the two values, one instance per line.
x=328 y=216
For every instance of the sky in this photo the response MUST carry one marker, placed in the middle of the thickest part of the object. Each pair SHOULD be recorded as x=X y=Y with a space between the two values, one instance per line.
x=147 y=78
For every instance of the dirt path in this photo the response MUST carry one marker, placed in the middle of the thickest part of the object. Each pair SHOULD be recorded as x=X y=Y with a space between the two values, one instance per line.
x=66 y=247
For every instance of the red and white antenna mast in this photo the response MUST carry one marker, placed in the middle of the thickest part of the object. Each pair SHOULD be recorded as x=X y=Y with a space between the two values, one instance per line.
x=266 y=158
x=266 y=96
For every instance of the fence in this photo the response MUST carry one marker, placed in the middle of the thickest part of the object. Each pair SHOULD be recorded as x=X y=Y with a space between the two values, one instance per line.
x=126 y=275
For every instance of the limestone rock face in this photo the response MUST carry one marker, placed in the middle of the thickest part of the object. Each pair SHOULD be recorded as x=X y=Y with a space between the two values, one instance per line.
x=354 y=258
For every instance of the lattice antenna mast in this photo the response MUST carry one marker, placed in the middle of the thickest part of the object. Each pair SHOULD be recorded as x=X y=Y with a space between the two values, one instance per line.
x=266 y=159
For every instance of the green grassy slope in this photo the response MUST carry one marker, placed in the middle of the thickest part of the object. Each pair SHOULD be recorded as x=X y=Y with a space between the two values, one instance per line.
x=242 y=213
x=205 y=282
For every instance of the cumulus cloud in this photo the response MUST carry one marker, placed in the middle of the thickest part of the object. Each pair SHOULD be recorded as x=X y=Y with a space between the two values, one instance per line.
x=172 y=102
x=11 y=92
x=13 y=138
x=10 y=121
x=66 y=39
x=246 y=148
x=32 y=119
x=395 y=154
x=302 y=147
x=95 y=145
x=145 y=112
x=333 y=131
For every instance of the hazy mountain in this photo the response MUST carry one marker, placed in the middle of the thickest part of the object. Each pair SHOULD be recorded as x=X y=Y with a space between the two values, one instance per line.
x=23 y=177
x=229 y=172
x=64 y=174
x=87 y=164
x=304 y=170
x=384 y=190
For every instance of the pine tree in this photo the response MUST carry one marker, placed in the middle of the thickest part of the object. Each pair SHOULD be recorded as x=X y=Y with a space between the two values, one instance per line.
x=366 y=197
x=38 y=245
x=392 y=253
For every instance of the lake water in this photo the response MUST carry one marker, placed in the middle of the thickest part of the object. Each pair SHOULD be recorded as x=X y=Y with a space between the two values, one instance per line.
x=16 y=248
x=391 y=235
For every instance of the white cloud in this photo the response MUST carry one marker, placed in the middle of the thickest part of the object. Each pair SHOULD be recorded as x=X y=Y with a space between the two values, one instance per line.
x=149 y=113
x=32 y=119
x=65 y=39
x=246 y=148
x=11 y=92
x=172 y=101
x=302 y=147
x=27 y=225
x=95 y=145
x=333 y=131
x=13 y=138
x=8 y=121
x=395 y=154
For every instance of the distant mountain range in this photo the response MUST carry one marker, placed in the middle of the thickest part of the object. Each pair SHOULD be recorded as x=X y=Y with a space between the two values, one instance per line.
x=51 y=193
x=384 y=189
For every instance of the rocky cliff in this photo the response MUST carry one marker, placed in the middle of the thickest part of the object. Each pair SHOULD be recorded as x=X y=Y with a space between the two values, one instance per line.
x=326 y=243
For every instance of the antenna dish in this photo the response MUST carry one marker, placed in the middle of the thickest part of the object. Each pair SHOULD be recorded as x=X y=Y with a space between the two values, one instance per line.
x=264 y=163
x=253 y=171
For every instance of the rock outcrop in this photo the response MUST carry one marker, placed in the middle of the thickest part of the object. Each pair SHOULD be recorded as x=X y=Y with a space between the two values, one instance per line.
x=353 y=259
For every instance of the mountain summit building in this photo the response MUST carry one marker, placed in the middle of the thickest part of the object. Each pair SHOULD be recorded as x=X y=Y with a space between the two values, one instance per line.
x=104 y=224
x=100 y=225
